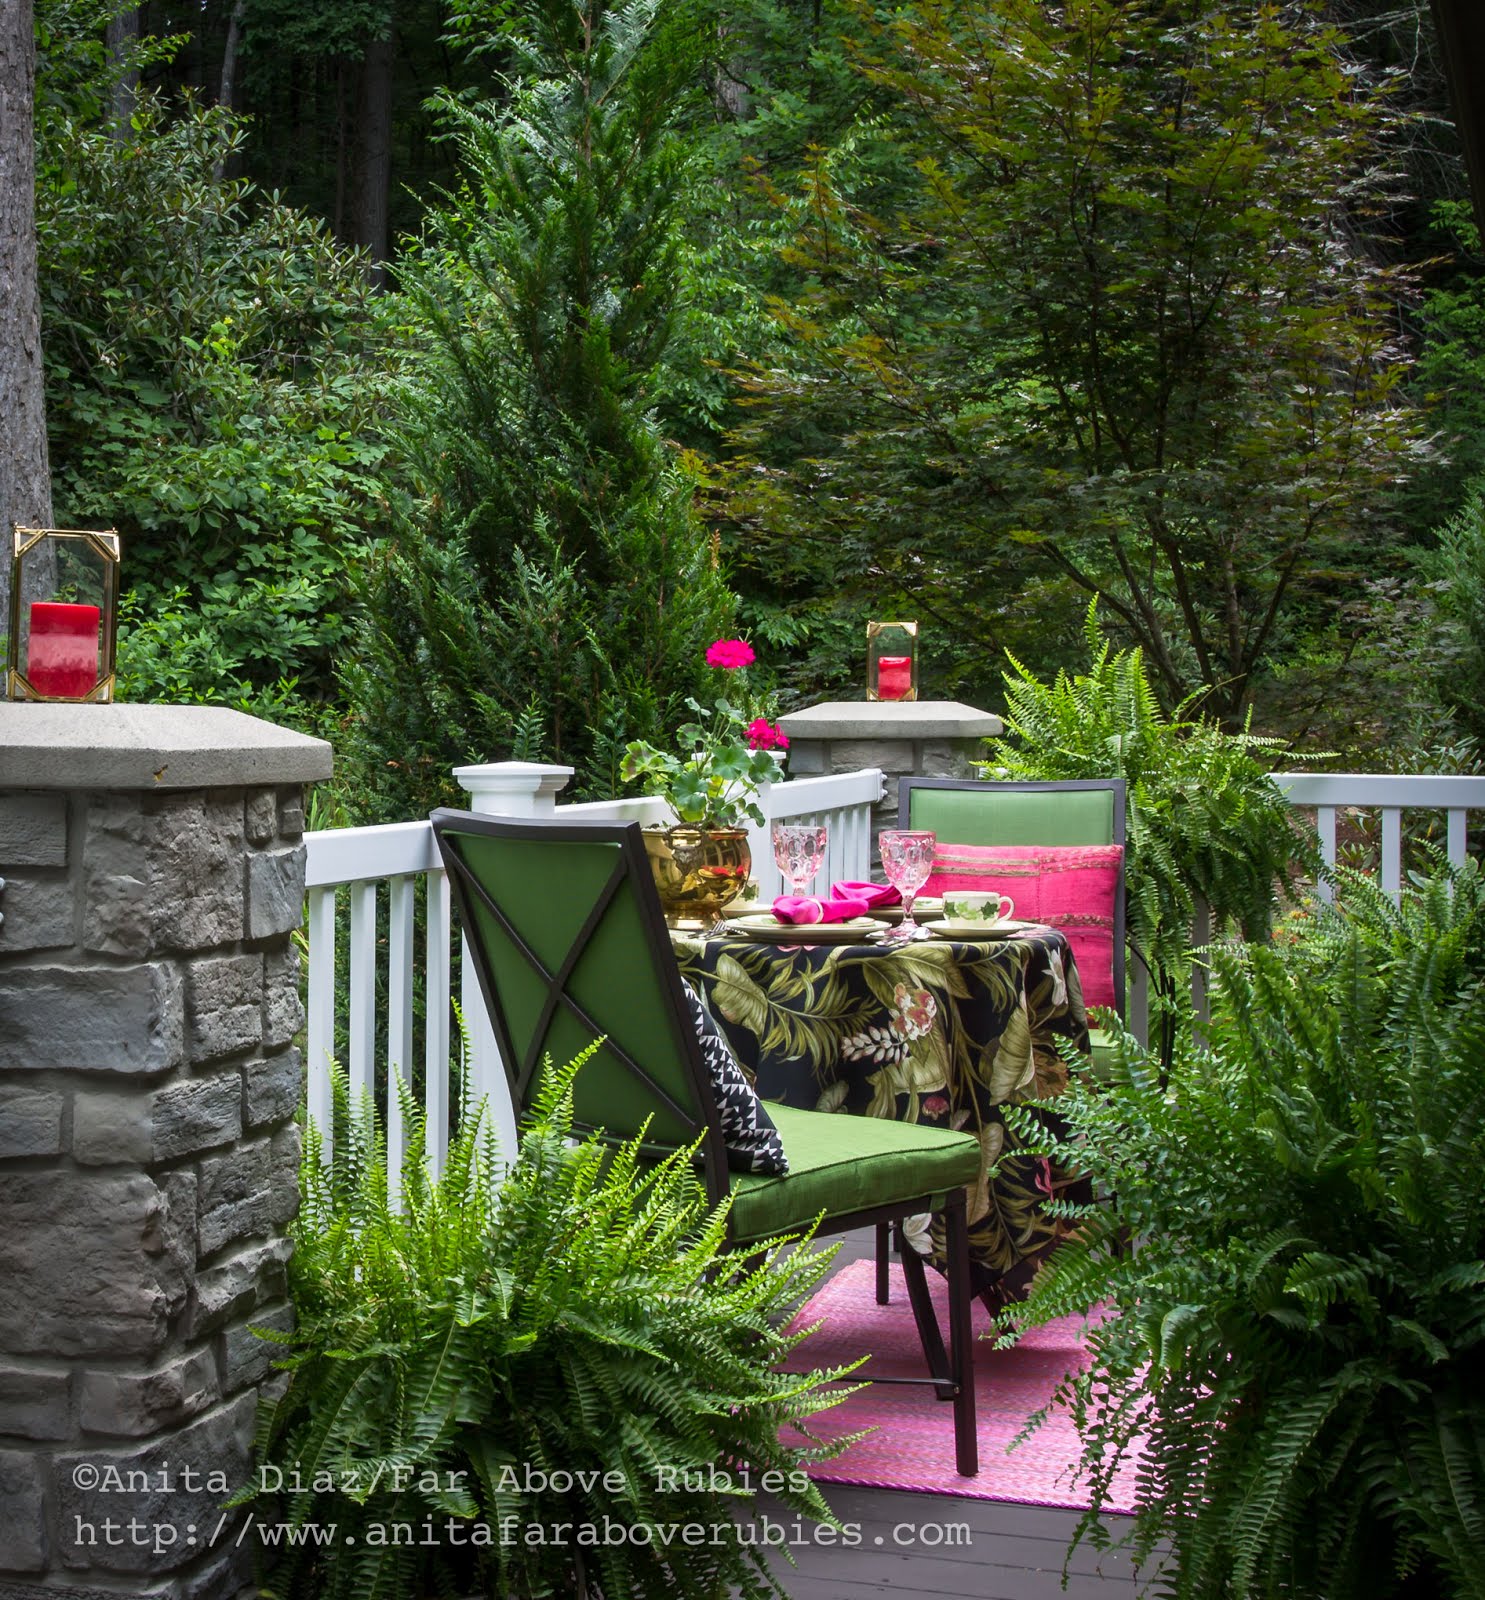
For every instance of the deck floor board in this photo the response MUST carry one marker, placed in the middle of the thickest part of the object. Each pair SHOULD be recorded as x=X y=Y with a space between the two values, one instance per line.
x=939 y=1545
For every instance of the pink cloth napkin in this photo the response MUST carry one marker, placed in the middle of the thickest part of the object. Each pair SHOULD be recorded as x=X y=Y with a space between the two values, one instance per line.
x=846 y=900
x=805 y=909
x=876 y=895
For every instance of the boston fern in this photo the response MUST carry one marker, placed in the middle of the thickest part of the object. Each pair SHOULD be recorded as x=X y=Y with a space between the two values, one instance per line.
x=1205 y=821
x=1297 y=1329
x=542 y=1388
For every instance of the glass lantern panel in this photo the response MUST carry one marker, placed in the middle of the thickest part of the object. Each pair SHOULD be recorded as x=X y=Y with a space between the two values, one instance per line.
x=64 y=600
x=892 y=661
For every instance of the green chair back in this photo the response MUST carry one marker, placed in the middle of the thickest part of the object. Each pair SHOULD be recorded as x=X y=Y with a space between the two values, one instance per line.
x=1015 y=813
x=567 y=937
x=1075 y=812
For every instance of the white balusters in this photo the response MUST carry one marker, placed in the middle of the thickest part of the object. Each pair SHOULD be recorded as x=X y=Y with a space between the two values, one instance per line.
x=362 y=1019
x=436 y=1052
x=320 y=1025
x=400 y=908
x=1458 y=829
x=1325 y=823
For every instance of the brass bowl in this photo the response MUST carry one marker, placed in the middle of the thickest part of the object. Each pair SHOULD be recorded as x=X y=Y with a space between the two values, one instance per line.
x=697 y=871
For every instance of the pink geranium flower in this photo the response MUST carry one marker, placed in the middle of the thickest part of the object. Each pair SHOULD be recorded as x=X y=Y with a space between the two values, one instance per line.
x=730 y=653
x=762 y=735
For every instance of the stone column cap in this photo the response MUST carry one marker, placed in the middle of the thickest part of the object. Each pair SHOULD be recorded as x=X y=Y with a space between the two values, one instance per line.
x=891 y=719
x=45 y=746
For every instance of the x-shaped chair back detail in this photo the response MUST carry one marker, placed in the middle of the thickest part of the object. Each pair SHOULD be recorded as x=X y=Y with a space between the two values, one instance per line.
x=569 y=943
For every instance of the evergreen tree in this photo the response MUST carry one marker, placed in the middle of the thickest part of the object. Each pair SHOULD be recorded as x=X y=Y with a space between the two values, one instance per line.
x=540 y=302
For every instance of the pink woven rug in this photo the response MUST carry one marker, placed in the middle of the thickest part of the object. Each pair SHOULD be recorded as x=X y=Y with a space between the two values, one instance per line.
x=913 y=1447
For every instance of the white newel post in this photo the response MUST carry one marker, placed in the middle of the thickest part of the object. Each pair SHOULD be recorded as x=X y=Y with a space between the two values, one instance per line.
x=499 y=789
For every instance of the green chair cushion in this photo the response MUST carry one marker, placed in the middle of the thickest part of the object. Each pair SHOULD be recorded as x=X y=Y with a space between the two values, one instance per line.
x=990 y=816
x=839 y=1163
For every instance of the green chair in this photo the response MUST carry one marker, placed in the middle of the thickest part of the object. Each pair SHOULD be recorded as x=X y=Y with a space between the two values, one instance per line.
x=967 y=811
x=976 y=812
x=566 y=933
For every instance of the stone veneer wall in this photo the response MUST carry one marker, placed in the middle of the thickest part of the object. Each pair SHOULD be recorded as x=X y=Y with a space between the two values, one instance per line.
x=149 y=1002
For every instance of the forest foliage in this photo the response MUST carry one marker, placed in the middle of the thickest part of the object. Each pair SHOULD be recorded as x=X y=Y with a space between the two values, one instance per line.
x=767 y=316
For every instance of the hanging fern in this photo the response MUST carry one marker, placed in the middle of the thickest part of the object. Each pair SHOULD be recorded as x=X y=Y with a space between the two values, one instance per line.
x=1297 y=1329
x=578 y=1318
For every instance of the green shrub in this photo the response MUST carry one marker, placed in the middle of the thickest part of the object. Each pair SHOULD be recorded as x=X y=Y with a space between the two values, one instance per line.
x=575 y=1320
x=214 y=372
x=1457 y=567
x=1297 y=1327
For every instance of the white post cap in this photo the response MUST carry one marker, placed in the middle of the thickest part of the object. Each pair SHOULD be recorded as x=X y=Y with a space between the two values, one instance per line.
x=513 y=788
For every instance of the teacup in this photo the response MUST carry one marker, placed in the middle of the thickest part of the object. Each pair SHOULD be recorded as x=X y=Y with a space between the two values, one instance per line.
x=966 y=907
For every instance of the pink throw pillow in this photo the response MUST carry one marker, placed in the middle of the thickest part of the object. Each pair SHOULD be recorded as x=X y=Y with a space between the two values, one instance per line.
x=1068 y=887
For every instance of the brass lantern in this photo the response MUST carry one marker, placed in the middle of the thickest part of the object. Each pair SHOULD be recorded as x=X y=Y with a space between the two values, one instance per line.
x=64 y=604
x=892 y=661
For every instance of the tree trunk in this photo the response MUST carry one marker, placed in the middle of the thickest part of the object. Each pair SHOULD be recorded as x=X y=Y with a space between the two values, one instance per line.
x=119 y=36
x=25 y=483
x=225 y=95
x=342 y=149
x=373 y=177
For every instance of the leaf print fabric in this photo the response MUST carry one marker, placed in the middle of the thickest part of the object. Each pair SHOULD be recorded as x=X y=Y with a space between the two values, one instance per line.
x=936 y=1032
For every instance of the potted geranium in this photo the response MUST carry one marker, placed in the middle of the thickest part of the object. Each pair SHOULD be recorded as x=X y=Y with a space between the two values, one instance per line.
x=727 y=753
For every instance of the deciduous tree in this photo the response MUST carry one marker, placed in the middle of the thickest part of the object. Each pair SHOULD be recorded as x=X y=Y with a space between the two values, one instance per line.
x=1126 y=341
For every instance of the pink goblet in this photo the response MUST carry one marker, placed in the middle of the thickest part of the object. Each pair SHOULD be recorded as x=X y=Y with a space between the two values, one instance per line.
x=907 y=860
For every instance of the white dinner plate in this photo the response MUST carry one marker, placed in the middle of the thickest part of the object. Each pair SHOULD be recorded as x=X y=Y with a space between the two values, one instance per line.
x=767 y=929
x=1007 y=929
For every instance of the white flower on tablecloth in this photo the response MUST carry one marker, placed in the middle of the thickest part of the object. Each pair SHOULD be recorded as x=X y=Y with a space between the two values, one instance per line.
x=1059 y=978
x=876 y=1043
x=918 y=1231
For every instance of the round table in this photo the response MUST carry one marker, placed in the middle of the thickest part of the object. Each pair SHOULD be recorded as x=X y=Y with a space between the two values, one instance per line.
x=940 y=1031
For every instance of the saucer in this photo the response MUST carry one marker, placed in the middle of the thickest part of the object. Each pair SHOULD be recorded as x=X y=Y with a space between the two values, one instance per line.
x=1007 y=929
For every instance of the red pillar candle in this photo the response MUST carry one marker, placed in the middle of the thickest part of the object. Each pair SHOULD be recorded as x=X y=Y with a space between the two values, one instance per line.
x=62 y=658
x=894 y=677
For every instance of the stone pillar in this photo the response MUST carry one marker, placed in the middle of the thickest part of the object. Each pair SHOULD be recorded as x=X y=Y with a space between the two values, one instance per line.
x=149 y=1002
x=905 y=738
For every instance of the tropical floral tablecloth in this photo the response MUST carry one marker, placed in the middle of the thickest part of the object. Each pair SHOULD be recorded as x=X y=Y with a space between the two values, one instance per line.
x=934 y=1031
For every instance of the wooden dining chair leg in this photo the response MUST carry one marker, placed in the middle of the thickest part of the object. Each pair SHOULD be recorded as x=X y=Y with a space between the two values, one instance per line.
x=884 y=1262
x=961 y=1336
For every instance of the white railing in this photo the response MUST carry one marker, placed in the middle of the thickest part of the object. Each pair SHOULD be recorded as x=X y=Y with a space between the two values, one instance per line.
x=1331 y=795
x=1333 y=792
x=355 y=875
